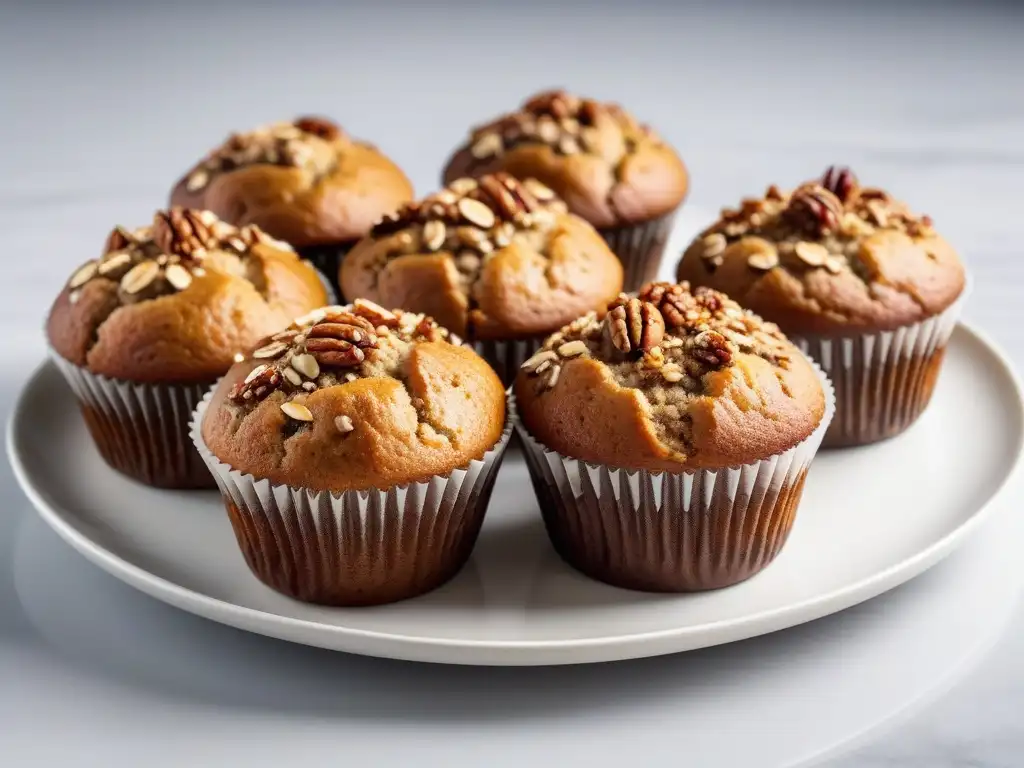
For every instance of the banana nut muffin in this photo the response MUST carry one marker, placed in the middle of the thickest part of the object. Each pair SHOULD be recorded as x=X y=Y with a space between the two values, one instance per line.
x=306 y=182
x=865 y=285
x=142 y=331
x=713 y=411
x=497 y=260
x=611 y=170
x=385 y=434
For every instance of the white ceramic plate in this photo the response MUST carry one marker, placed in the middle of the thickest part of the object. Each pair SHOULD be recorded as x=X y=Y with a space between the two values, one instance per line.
x=871 y=518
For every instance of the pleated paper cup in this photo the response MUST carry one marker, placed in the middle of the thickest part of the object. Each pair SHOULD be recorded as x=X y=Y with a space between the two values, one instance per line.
x=352 y=548
x=669 y=531
x=141 y=430
x=883 y=381
x=640 y=248
x=506 y=356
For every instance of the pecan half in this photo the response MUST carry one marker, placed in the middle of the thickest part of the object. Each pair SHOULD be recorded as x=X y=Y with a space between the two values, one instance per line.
x=339 y=339
x=674 y=302
x=712 y=349
x=182 y=232
x=318 y=126
x=815 y=209
x=634 y=326
x=841 y=182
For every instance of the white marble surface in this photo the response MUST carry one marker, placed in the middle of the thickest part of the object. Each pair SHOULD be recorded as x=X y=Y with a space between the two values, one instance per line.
x=104 y=104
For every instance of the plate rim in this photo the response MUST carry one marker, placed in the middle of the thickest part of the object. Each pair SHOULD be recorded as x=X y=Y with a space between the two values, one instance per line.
x=512 y=652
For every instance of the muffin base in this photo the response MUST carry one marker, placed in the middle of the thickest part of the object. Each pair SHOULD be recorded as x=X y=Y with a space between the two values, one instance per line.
x=327 y=261
x=640 y=248
x=141 y=430
x=506 y=356
x=883 y=381
x=357 y=547
x=668 y=531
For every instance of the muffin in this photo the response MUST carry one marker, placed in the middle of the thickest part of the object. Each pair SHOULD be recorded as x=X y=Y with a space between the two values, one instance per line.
x=143 y=331
x=858 y=281
x=356 y=452
x=668 y=440
x=611 y=170
x=306 y=182
x=498 y=261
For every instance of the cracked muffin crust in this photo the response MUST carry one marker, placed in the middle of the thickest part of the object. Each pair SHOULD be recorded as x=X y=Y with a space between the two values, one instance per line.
x=173 y=302
x=828 y=258
x=609 y=169
x=669 y=380
x=493 y=258
x=355 y=397
x=306 y=182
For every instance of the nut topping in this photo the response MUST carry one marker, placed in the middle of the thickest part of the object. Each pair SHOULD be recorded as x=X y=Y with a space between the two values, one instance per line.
x=307 y=365
x=634 y=326
x=318 y=126
x=434 y=234
x=140 y=276
x=82 y=275
x=296 y=411
x=476 y=212
x=179 y=277
x=763 y=260
x=841 y=182
x=816 y=209
x=811 y=254
x=344 y=424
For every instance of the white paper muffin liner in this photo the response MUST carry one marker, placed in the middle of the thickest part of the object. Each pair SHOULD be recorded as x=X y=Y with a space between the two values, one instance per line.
x=667 y=531
x=141 y=430
x=883 y=380
x=506 y=356
x=356 y=547
x=640 y=248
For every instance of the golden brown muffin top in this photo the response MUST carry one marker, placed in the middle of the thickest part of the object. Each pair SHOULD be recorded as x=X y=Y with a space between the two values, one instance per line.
x=609 y=168
x=354 y=397
x=306 y=182
x=670 y=380
x=174 y=302
x=492 y=258
x=829 y=257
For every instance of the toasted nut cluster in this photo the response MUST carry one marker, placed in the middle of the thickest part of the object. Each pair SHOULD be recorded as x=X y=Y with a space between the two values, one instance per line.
x=329 y=346
x=814 y=208
x=667 y=334
x=818 y=226
x=166 y=257
x=566 y=123
x=308 y=142
x=633 y=326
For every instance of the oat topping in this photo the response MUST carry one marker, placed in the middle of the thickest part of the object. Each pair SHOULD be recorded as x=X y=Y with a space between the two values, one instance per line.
x=470 y=220
x=309 y=143
x=819 y=225
x=566 y=123
x=166 y=257
x=329 y=346
x=667 y=333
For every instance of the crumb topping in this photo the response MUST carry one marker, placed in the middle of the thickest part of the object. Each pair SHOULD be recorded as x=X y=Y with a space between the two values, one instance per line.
x=663 y=342
x=567 y=124
x=469 y=221
x=331 y=346
x=166 y=256
x=308 y=143
x=819 y=225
